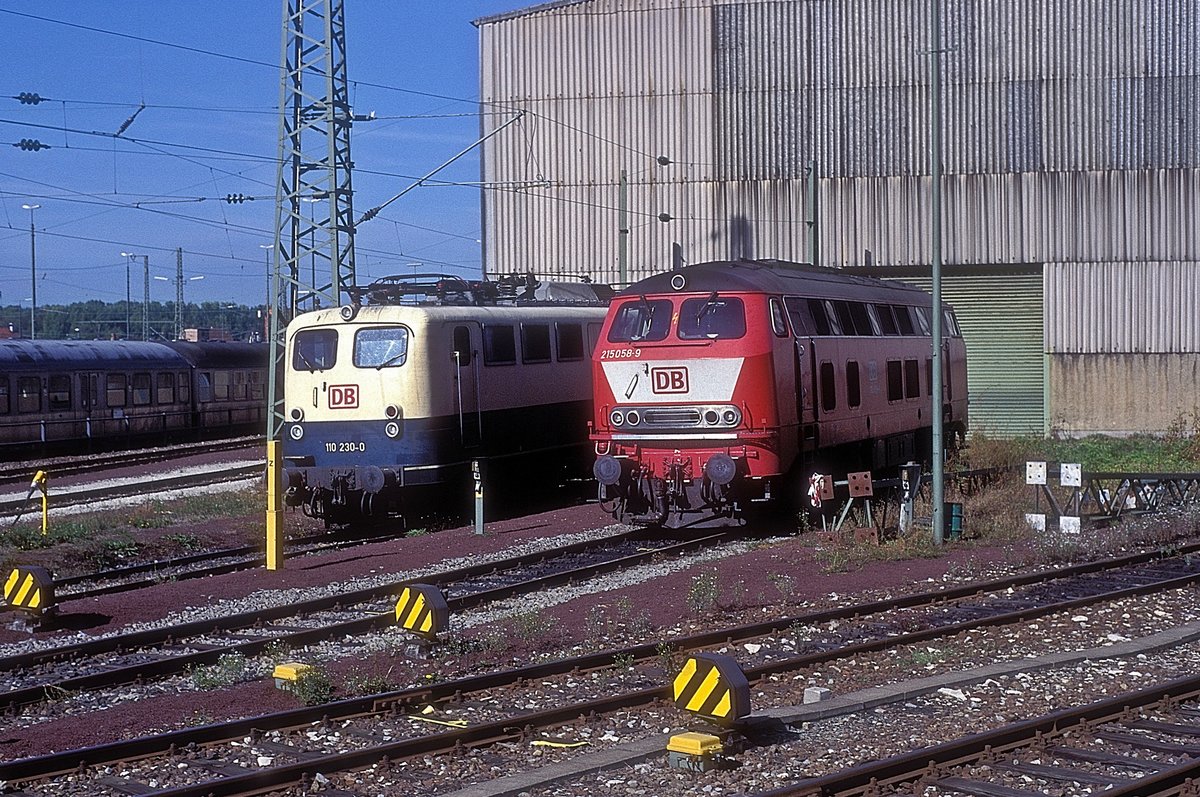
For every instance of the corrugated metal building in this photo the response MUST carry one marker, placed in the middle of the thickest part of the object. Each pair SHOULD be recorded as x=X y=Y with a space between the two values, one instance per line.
x=1071 y=161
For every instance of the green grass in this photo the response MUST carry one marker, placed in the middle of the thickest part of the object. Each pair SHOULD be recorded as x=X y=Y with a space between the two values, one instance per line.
x=1176 y=452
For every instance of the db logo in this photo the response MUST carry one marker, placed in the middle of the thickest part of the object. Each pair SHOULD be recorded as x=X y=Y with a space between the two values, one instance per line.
x=669 y=380
x=343 y=397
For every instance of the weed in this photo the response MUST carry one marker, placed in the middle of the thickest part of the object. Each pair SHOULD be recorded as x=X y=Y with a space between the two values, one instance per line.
x=623 y=661
x=926 y=657
x=313 y=687
x=533 y=625
x=737 y=594
x=665 y=652
x=277 y=651
x=370 y=684
x=228 y=670
x=702 y=594
x=596 y=624
x=185 y=542
x=784 y=583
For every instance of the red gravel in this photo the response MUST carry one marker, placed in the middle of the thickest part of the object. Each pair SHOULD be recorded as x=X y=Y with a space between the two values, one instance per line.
x=743 y=583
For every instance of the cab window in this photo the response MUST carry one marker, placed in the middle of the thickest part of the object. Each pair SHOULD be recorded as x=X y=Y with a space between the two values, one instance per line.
x=712 y=318
x=314 y=350
x=381 y=347
x=641 y=319
x=778 y=325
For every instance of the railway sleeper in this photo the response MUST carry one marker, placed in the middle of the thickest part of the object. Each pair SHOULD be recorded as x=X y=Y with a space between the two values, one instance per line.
x=980 y=788
x=1139 y=742
x=1108 y=759
x=1064 y=774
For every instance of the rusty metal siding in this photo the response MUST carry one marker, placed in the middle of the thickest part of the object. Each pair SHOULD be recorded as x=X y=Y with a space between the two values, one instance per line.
x=1122 y=308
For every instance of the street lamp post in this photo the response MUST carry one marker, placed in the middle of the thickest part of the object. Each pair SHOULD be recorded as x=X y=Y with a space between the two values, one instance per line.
x=32 y=273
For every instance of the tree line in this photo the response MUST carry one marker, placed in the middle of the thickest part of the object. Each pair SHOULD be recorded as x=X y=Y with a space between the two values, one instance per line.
x=96 y=320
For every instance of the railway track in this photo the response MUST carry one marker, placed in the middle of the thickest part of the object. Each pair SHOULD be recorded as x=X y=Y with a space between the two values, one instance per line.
x=128 y=488
x=21 y=473
x=141 y=656
x=365 y=731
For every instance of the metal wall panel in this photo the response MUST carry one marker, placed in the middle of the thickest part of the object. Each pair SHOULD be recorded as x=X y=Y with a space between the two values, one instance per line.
x=1123 y=308
x=1001 y=320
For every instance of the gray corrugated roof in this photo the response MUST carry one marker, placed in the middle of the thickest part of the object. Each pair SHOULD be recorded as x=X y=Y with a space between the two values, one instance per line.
x=524 y=12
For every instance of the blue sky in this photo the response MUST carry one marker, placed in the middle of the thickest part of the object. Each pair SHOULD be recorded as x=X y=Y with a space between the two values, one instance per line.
x=209 y=129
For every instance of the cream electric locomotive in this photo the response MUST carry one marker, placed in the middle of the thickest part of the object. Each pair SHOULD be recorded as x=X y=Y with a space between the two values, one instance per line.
x=722 y=384
x=389 y=405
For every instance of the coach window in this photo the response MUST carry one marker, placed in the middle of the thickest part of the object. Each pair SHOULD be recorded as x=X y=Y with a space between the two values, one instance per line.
x=141 y=390
x=853 y=384
x=904 y=320
x=29 y=394
x=887 y=321
x=59 y=395
x=535 y=343
x=462 y=345
x=641 y=319
x=778 y=324
x=184 y=392
x=114 y=390
x=204 y=386
x=240 y=389
x=257 y=391
x=895 y=380
x=800 y=316
x=828 y=388
x=221 y=385
x=912 y=379
x=499 y=345
x=166 y=388
x=381 y=347
x=569 y=340
x=314 y=350
x=712 y=318
x=4 y=402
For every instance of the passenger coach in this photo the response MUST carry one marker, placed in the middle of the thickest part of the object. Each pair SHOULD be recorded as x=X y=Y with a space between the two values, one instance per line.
x=727 y=383
x=391 y=403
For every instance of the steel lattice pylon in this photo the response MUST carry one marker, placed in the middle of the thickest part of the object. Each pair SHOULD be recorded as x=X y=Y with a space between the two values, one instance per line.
x=314 y=215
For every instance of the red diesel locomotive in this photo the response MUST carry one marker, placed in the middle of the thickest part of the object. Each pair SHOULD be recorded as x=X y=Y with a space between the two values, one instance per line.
x=724 y=384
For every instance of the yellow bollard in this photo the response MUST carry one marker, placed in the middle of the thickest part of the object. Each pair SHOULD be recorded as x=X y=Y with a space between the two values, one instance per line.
x=274 y=505
x=40 y=480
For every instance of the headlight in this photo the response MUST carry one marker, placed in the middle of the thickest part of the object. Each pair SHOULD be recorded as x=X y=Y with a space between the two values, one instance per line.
x=392 y=429
x=712 y=417
x=296 y=414
x=633 y=418
x=391 y=411
x=348 y=311
x=732 y=417
x=616 y=418
x=296 y=432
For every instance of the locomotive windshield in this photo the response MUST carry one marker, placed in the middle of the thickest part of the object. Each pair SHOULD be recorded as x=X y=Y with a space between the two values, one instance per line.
x=381 y=347
x=641 y=320
x=712 y=318
x=314 y=350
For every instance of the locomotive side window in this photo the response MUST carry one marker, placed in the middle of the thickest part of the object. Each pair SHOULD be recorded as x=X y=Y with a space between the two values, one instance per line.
x=861 y=318
x=904 y=320
x=824 y=318
x=922 y=316
x=569 y=339
x=828 y=388
x=800 y=315
x=499 y=345
x=853 y=384
x=895 y=380
x=712 y=318
x=778 y=324
x=381 y=347
x=166 y=388
x=462 y=345
x=950 y=323
x=535 y=343
x=641 y=320
x=887 y=322
x=114 y=390
x=29 y=394
x=912 y=379
x=4 y=395
x=141 y=390
x=59 y=396
x=314 y=350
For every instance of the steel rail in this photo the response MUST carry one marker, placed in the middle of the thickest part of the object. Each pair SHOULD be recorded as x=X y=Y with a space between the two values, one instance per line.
x=174 y=665
x=45 y=766
x=69 y=466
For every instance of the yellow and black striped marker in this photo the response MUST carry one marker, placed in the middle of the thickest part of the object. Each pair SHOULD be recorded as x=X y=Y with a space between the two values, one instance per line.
x=30 y=589
x=712 y=687
x=422 y=610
